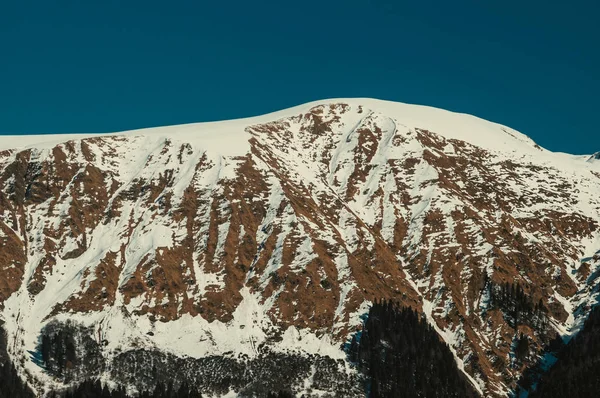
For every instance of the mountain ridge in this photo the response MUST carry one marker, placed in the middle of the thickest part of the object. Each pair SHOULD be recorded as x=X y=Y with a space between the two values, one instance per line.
x=48 y=139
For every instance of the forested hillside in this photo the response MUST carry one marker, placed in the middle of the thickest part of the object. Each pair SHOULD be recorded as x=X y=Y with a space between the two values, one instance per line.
x=401 y=355
x=576 y=371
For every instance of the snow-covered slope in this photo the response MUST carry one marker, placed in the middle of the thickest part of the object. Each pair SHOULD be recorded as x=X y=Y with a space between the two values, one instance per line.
x=278 y=231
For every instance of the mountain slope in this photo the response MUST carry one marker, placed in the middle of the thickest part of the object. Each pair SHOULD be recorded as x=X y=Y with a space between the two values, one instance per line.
x=276 y=233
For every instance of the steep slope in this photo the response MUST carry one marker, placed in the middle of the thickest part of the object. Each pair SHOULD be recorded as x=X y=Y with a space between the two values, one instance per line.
x=276 y=233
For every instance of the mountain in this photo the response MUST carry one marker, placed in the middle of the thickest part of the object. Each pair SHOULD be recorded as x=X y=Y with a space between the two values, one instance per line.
x=252 y=247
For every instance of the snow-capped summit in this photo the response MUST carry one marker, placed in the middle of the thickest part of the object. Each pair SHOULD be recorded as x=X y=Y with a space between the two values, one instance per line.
x=274 y=234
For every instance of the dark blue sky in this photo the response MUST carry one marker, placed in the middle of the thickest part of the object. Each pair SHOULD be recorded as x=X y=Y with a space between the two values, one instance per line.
x=97 y=66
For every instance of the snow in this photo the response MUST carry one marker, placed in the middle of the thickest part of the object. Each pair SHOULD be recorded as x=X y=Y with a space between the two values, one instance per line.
x=230 y=138
x=221 y=239
x=347 y=229
x=305 y=252
x=346 y=286
x=389 y=217
x=424 y=192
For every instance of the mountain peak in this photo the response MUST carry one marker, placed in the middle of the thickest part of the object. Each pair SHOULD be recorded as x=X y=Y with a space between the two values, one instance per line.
x=227 y=137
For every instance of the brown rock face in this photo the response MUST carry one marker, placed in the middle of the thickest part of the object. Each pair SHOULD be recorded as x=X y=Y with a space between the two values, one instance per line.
x=319 y=214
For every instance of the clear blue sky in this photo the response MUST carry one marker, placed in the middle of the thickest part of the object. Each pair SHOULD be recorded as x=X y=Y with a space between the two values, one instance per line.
x=98 y=66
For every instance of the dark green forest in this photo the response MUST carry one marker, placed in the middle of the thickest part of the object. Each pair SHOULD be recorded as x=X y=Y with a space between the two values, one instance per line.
x=576 y=372
x=95 y=389
x=401 y=355
x=11 y=385
x=517 y=307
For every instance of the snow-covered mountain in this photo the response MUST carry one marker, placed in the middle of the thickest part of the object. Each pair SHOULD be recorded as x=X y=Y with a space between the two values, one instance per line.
x=274 y=234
